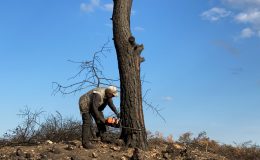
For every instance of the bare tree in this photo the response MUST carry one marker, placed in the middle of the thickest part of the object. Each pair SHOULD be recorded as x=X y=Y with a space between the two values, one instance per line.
x=91 y=71
x=129 y=60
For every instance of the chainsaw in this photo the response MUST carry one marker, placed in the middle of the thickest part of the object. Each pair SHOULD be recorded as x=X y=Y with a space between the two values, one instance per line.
x=114 y=122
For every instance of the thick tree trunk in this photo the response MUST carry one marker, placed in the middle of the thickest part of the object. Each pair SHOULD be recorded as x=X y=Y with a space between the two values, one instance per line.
x=129 y=60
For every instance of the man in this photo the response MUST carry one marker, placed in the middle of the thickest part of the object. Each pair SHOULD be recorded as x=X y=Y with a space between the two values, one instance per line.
x=92 y=104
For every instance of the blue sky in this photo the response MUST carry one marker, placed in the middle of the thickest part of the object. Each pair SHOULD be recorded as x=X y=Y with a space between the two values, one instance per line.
x=201 y=60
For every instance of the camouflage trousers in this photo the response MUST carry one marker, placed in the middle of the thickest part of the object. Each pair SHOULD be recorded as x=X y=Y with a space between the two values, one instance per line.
x=88 y=130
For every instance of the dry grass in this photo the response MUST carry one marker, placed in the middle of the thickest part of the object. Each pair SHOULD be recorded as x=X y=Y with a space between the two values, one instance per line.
x=202 y=143
x=57 y=129
x=31 y=131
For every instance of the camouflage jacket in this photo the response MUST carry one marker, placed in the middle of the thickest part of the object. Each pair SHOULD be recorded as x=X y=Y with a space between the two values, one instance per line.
x=95 y=100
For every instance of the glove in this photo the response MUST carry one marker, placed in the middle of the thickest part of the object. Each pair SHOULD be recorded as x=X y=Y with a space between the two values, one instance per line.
x=117 y=124
x=103 y=121
x=118 y=115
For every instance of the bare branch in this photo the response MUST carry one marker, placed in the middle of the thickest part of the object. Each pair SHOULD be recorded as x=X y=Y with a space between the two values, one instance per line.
x=143 y=80
x=93 y=75
x=150 y=105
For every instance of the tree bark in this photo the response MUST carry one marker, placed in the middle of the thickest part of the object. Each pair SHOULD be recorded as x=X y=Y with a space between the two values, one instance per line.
x=129 y=60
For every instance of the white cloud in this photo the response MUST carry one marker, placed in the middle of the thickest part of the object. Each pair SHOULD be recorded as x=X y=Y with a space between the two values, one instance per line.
x=252 y=19
x=251 y=16
x=94 y=4
x=108 y=6
x=215 y=14
x=139 y=29
x=86 y=7
x=167 y=98
x=89 y=7
x=242 y=3
x=246 y=12
x=247 y=33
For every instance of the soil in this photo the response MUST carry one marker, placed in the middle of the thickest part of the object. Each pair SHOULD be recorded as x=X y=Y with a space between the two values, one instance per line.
x=72 y=150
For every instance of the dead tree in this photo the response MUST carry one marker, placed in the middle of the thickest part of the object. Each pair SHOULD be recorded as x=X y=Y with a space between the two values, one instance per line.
x=90 y=74
x=129 y=60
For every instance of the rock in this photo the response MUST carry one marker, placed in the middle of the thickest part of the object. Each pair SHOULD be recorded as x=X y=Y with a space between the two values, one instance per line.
x=19 y=152
x=69 y=147
x=129 y=152
x=113 y=156
x=147 y=157
x=28 y=155
x=116 y=148
x=75 y=158
x=176 y=150
x=166 y=156
x=49 y=142
x=74 y=143
x=123 y=158
x=3 y=156
x=94 y=155
x=55 y=150
x=177 y=146
x=119 y=142
x=104 y=145
x=44 y=156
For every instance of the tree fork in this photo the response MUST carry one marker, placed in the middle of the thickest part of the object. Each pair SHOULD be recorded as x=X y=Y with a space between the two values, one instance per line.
x=129 y=60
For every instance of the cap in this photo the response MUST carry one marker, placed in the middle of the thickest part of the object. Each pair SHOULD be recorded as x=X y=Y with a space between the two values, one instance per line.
x=113 y=90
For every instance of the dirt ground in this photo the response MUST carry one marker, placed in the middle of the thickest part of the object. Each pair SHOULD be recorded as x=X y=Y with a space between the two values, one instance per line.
x=73 y=150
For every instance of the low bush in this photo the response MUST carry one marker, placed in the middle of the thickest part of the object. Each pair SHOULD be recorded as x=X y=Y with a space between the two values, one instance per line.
x=31 y=130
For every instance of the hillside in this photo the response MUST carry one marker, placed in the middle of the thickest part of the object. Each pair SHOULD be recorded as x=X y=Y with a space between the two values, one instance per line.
x=159 y=148
x=58 y=138
x=74 y=151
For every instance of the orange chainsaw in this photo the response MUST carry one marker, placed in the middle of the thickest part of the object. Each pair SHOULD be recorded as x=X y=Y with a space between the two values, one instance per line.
x=114 y=122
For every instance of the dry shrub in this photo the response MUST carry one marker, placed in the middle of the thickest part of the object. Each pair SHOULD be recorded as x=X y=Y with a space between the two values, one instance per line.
x=26 y=132
x=159 y=135
x=56 y=128
x=244 y=151
x=155 y=139
x=158 y=139
x=32 y=131
x=169 y=138
x=3 y=142
x=185 y=138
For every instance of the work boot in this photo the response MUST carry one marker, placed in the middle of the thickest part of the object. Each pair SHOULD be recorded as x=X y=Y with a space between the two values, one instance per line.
x=88 y=146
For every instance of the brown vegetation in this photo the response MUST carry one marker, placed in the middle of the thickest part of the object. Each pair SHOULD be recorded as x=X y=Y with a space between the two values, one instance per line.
x=59 y=138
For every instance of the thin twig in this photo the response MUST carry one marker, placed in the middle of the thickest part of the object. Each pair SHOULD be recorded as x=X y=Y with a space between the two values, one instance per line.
x=93 y=77
x=155 y=109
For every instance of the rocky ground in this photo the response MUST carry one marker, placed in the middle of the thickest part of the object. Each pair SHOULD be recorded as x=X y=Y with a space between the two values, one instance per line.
x=58 y=138
x=72 y=150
